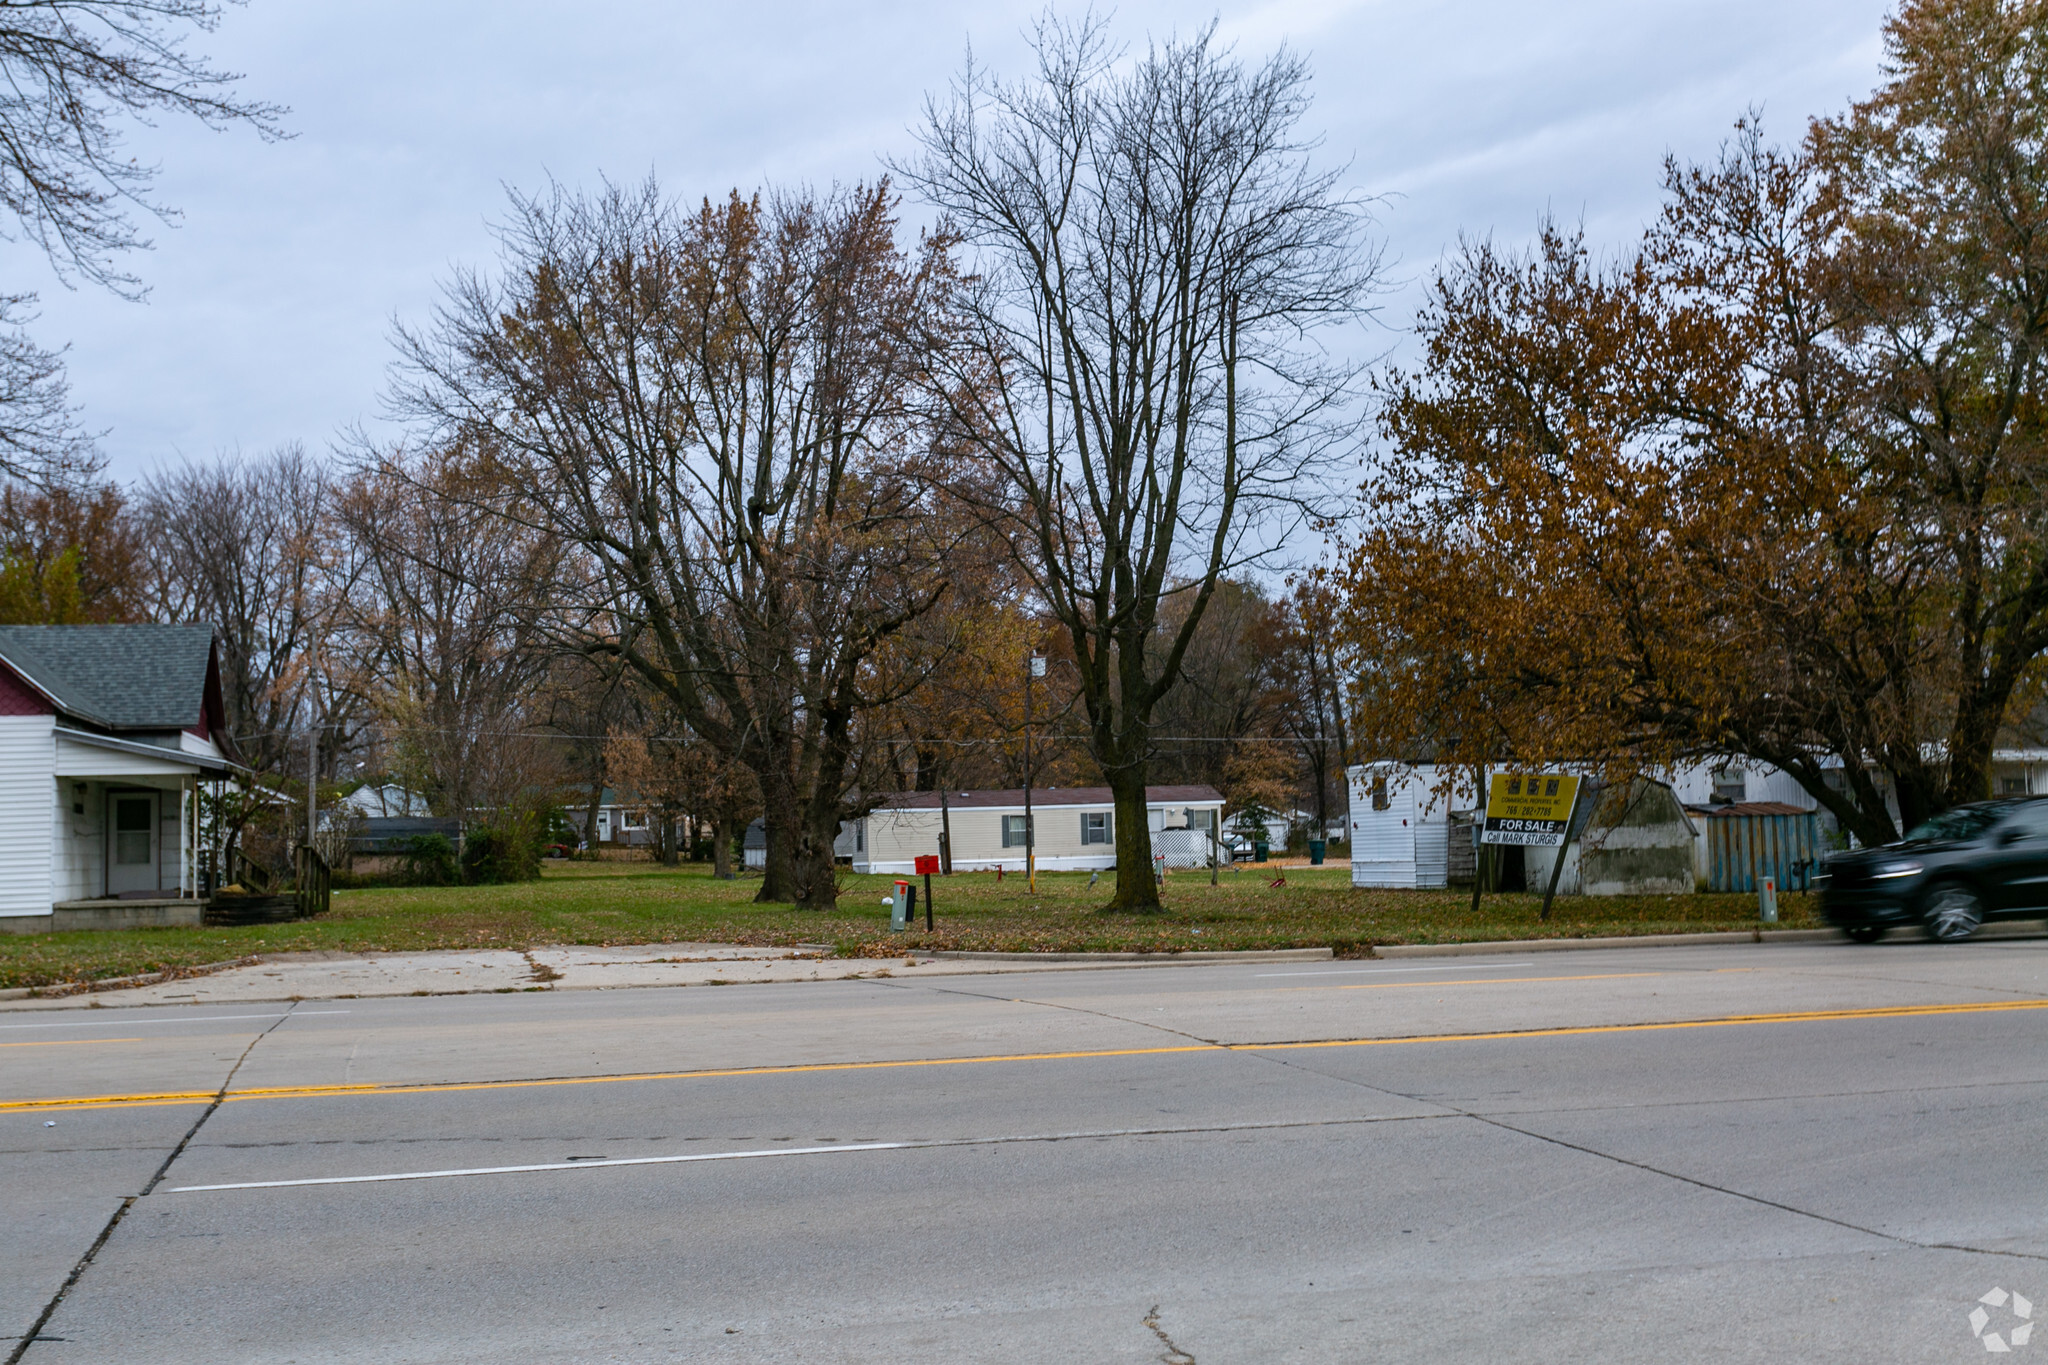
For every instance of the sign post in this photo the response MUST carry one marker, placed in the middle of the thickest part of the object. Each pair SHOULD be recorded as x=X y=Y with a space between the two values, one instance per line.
x=1532 y=810
x=927 y=863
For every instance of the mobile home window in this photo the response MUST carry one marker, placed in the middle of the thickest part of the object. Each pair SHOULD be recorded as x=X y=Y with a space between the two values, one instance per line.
x=1095 y=827
x=1379 y=792
x=1013 y=831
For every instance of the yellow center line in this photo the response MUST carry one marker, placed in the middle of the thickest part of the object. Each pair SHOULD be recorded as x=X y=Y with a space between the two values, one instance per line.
x=71 y=1042
x=439 y=1087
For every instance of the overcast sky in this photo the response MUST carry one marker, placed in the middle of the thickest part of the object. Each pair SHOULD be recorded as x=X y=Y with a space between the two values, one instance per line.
x=272 y=300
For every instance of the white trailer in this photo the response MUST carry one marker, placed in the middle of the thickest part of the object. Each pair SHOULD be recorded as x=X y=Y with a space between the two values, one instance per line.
x=1400 y=823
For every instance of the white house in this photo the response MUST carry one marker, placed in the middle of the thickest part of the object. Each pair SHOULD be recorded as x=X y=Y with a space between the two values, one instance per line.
x=107 y=734
x=1075 y=827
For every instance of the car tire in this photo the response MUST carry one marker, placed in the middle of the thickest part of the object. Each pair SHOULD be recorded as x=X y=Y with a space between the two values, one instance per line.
x=1865 y=933
x=1953 y=913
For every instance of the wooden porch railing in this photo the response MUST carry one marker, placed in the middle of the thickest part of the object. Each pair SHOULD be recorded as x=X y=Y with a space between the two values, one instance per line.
x=315 y=881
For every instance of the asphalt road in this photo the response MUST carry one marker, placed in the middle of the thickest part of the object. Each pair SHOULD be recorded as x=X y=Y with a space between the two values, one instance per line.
x=1767 y=1153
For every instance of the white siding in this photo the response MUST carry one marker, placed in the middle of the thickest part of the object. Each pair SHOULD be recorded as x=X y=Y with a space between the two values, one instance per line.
x=78 y=862
x=1408 y=843
x=28 y=813
x=1383 y=841
x=896 y=837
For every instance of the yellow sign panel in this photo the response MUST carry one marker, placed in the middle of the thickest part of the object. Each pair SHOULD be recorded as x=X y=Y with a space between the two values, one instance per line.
x=1529 y=808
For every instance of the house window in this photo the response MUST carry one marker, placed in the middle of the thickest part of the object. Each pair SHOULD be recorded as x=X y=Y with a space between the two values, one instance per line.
x=1380 y=800
x=1201 y=819
x=1013 y=831
x=1730 y=784
x=1094 y=827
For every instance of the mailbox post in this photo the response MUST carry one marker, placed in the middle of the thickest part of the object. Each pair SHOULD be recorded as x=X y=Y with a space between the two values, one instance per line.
x=927 y=863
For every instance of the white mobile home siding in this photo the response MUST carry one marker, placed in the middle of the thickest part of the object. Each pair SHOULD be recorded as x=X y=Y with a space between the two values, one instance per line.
x=1389 y=848
x=28 y=827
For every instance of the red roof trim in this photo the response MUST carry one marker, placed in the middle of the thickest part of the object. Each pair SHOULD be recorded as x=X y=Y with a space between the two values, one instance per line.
x=19 y=697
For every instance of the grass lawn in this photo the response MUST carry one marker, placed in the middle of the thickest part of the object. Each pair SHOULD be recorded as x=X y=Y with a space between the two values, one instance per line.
x=606 y=903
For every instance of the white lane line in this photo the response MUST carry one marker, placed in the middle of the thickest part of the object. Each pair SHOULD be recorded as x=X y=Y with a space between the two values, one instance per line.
x=549 y=1166
x=1486 y=966
x=912 y=1145
x=199 y=1019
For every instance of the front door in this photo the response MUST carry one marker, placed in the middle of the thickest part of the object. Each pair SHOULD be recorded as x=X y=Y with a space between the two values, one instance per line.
x=131 y=842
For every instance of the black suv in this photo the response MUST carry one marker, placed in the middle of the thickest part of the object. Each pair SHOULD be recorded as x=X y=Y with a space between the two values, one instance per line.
x=1966 y=865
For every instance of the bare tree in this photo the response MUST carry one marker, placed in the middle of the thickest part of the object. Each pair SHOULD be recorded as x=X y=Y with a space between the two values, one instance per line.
x=71 y=71
x=1158 y=254
x=242 y=545
x=445 y=614
x=719 y=411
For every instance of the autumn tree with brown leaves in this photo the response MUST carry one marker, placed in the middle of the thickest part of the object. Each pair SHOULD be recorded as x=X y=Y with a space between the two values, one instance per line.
x=723 y=415
x=1768 y=485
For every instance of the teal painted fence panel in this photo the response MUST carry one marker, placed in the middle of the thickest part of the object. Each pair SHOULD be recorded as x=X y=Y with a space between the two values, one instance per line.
x=1744 y=849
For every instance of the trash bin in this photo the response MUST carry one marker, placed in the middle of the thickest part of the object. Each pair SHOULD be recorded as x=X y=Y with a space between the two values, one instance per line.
x=1316 y=849
x=1259 y=851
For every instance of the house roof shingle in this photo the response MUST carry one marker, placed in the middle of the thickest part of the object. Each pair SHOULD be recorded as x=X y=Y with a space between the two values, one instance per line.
x=119 y=677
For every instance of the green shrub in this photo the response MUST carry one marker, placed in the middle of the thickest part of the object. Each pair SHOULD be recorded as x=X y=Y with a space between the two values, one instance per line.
x=502 y=853
x=427 y=860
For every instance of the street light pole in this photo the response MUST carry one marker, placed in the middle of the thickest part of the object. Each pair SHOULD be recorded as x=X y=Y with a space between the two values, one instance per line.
x=1034 y=669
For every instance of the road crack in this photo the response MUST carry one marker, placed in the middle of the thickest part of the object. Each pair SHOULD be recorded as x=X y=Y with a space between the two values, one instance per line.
x=35 y=1331
x=1460 y=1111
x=1174 y=1354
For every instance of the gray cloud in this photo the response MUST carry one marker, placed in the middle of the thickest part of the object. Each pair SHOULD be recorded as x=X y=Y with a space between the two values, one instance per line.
x=272 y=299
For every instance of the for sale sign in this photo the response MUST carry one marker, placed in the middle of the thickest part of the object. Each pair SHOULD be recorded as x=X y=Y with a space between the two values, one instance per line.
x=1533 y=809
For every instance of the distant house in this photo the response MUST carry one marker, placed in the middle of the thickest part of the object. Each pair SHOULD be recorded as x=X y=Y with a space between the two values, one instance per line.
x=107 y=734
x=1075 y=827
x=384 y=801
x=621 y=819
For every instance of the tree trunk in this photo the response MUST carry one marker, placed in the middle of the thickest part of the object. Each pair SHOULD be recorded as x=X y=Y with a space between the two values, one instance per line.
x=590 y=811
x=814 y=871
x=779 y=821
x=671 y=853
x=1136 y=886
x=721 y=846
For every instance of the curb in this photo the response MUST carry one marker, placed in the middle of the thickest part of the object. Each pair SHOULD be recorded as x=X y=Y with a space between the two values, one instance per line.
x=1566 y=945
x=1194 y=959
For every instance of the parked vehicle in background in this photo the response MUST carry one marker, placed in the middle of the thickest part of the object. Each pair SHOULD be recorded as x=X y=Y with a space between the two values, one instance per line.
x=1969 y=864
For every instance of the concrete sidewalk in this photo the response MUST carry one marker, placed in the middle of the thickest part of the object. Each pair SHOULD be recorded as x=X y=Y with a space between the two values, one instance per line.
x=349 y=976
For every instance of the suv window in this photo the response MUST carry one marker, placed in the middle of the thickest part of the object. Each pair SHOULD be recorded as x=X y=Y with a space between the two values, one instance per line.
x=2030 y=820
x=1960 y=822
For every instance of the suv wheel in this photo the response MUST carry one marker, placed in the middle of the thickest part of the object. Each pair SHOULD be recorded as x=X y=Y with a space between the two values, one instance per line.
x=1953 y=913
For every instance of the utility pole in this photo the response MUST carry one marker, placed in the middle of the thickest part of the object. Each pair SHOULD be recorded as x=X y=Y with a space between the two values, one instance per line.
x=1035 y=669
x=313 y=785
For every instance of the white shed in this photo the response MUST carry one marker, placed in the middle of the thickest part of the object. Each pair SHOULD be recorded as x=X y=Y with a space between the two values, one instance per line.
x=1400 y=823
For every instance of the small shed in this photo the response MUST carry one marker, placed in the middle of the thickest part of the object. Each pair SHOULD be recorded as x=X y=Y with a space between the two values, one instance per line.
x=1636 y=840
x=754 y=847
x=1747 y=841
